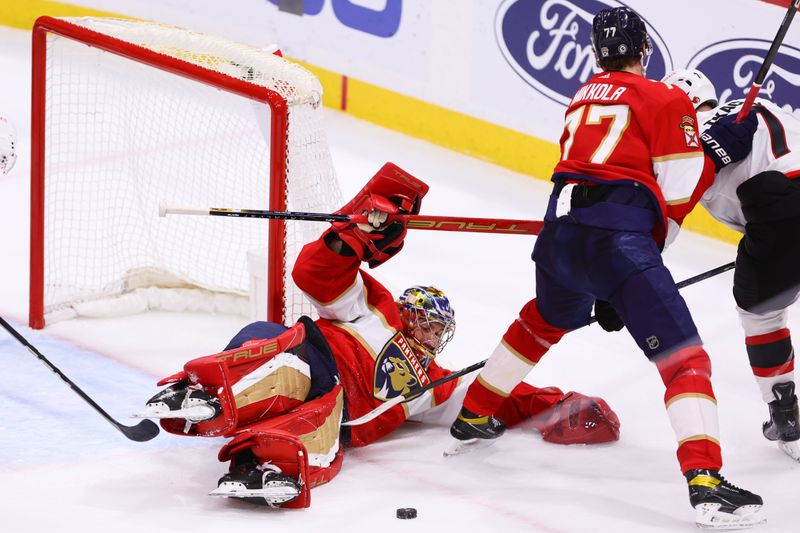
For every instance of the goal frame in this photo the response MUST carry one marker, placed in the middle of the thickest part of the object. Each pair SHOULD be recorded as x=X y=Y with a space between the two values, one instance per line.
x=277 y=165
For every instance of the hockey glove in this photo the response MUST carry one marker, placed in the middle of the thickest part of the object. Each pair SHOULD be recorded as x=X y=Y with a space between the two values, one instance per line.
x=580 y=419
x=391 y=191
x=726 y=142
x=607 y=316
x=375 y=242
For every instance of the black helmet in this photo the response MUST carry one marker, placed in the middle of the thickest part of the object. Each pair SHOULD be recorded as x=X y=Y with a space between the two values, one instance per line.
x=619 y=32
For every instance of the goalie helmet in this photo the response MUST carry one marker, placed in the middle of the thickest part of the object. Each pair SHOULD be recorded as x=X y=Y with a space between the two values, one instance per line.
x=428 y=320
x=619 y=32
x=8 y=145
x=695 y=84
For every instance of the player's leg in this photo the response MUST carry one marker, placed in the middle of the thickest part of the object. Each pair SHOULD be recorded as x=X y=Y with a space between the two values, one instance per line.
x=525 y=342
x=769 y=348
x=658 y=319
x=765 y=283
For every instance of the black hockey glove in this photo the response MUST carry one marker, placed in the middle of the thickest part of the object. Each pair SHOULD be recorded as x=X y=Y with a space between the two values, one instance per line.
x=726 y=142
x=607 y=317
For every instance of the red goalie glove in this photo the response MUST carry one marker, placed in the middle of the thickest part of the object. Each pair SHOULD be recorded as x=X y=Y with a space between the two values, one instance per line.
x=579 y=419
x=391 y=191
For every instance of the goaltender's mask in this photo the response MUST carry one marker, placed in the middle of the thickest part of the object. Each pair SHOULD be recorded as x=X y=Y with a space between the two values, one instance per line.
x=428 y=321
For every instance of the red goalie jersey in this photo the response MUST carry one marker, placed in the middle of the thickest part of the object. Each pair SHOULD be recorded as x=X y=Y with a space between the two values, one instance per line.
x=361 y=323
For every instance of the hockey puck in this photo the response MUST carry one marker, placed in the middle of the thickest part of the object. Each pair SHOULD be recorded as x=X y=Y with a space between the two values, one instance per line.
x=406 y=513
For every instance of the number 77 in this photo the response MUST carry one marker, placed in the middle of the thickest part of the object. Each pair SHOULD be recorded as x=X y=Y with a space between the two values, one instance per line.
x=620 y=115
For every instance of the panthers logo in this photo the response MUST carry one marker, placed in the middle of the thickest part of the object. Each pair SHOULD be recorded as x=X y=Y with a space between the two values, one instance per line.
x=397 y=370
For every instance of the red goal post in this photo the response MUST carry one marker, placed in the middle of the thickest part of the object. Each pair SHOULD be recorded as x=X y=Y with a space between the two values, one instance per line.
x=127 y=114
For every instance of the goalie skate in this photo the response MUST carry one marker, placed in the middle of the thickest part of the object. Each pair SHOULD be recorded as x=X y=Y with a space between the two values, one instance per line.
x=188 y=403
x=720 y=505
x=259 y=485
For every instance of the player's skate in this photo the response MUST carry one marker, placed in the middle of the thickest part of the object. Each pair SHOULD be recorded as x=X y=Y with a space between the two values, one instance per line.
x=783 y=420
x=719 y=504
x=471 y=432
x=263 y=485
x=178 y=401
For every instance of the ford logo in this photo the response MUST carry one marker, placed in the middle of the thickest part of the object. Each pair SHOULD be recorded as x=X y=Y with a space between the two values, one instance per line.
x=733 y=65
x=548 y=43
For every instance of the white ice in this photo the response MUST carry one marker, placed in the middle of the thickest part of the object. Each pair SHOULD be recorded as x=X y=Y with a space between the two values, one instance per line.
x=63 y=468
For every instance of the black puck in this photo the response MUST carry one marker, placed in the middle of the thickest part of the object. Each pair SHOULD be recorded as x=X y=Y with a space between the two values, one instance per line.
x=406 y=513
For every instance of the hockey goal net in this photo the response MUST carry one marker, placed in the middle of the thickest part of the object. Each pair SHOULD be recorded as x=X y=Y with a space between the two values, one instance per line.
x=127 y=115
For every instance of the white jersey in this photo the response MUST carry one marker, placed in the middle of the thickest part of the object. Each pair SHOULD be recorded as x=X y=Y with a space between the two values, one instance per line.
x=776 y=146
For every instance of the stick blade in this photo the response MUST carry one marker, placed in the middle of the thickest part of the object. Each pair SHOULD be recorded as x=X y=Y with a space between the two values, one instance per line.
x=141 y=432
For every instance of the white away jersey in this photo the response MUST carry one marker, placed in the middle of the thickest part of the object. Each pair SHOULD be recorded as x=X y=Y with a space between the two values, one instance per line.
x=776 y=146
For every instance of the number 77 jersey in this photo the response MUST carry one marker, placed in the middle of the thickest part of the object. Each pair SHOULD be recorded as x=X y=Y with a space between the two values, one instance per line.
x=621 y=127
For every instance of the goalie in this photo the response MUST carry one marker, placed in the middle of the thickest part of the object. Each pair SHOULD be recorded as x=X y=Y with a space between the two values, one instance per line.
x=282 y=393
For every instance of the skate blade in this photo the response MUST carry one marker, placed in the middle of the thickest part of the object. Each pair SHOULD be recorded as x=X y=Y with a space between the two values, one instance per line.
x=273 y=494
x=459 y=447
x=792 y=449
x=195 y=413
x=710 y=517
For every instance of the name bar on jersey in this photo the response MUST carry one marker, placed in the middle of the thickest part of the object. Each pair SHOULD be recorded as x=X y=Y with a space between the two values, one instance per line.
x=606 y=92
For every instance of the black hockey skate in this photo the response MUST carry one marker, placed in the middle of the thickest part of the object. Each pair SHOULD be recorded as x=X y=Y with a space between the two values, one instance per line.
x=472 y=431
x=179 y=401
x=721 y=505
x=258 y=484
x=783 y=425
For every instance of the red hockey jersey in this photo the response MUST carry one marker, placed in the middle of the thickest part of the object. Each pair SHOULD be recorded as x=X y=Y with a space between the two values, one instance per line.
x=623 y=127
x=361 y=323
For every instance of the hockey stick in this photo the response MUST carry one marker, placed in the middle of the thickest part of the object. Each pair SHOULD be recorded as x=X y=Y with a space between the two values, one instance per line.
x=773 y=51
x=476 y=366
x=143 y=431
x=434 y=223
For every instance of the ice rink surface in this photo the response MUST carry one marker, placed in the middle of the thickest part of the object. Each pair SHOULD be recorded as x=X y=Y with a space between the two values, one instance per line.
x=63 y=468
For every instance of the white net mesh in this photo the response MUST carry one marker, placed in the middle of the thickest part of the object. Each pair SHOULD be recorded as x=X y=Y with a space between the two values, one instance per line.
x=123 y=136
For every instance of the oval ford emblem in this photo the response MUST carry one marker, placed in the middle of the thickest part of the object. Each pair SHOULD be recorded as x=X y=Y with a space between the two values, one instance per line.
x=733 y=65
x=549 y=44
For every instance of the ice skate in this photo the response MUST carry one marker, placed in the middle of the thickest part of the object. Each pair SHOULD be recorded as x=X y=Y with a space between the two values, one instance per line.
x=472 y=432
x=263 y=485
x=782 y=425
x=719 y=504
x=190 y=403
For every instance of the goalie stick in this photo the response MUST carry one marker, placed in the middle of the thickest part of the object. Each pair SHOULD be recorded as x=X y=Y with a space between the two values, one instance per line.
x=764 y=70
x=476 y=366
x=434 y=223
x=143 y=431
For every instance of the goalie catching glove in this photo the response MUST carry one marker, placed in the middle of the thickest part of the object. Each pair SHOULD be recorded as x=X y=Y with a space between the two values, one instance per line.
x=579 y=419
x=392 y=191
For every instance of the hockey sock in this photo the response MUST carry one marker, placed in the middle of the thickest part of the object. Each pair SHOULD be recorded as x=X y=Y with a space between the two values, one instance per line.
x=692 y=407
x=772 y=360
x=523 y=345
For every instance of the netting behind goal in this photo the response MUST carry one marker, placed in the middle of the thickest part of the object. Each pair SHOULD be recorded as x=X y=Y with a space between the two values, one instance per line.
x=128 y=115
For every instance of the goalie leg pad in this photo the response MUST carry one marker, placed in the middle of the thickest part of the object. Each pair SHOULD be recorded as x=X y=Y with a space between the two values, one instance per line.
x=304 y=443
x=261 y=378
